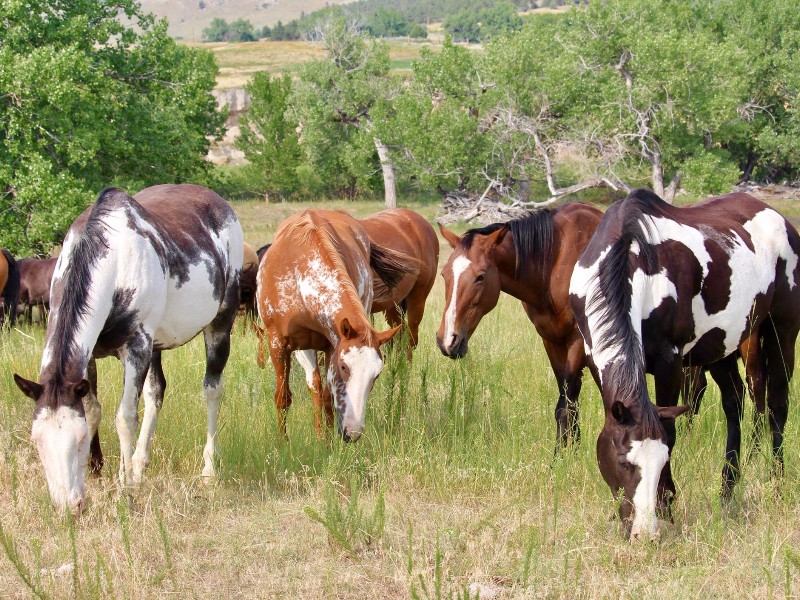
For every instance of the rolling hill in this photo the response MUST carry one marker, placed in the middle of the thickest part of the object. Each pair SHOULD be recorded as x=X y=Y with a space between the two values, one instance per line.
x=188 y=18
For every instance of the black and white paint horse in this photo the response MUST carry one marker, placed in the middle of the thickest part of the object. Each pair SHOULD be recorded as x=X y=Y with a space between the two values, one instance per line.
x=660 y=287
x=136 y=276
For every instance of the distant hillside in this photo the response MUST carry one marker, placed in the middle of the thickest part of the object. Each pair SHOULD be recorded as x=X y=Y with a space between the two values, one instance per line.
x=188 y=18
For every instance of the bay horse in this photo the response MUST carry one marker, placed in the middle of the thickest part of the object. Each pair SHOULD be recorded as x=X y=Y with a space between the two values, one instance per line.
x=9 y=287
x=531 y=259
x=136 y=276
x=35 y=276
x=248 y=281
x=315 y=289
x=659 y=287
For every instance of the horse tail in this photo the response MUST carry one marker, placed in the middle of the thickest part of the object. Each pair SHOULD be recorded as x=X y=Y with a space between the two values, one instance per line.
x=11 y=289
x=390 y=266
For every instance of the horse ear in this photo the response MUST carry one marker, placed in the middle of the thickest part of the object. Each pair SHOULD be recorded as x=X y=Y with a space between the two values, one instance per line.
x=82 y=389
x=346 y=330
x=496 y=238
x=30 y=388
x=385 y=336
x=670 y=413
x=451 y=237
x=621 y=413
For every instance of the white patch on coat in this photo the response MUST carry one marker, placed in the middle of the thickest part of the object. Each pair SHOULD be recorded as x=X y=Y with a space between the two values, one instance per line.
x=649 y=456
x=62 y=439
x=365 y=365
x=308 y=360
x=460 y=265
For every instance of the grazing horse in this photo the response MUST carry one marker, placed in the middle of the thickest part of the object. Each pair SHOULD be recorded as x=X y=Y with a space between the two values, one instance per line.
x=530 y=258
x=35 y=276
x=9 y=287
x=659 y=287
x=408 y=233
x=136 y=276
x=315 y=290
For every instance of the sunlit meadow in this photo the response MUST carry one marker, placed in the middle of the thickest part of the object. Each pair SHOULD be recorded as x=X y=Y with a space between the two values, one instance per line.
x=454 y=491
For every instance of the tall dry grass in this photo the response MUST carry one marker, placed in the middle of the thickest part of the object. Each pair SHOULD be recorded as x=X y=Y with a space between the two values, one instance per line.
x=453 y=492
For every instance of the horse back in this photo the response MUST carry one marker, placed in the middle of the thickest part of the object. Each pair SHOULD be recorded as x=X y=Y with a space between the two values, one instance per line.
x=406 y=232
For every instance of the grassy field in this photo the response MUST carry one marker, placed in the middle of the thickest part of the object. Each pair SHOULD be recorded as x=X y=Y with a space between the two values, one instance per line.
x=238 y=61
x=453 y=492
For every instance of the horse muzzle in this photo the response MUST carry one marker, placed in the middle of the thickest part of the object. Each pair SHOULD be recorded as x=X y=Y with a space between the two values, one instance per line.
x=456 y=347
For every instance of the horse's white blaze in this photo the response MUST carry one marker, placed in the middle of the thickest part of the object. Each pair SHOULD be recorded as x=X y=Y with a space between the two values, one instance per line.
x=650 y=456
x=460 y=264
x=365 y=365
x=62 y=439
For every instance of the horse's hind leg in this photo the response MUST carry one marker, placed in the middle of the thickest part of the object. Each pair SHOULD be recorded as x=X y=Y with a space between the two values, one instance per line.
x=779 y=353
x=153 y=392
x=755 y=372
x=281 y=358
x=567 y=364
x=93 y=411
x=693 y=387
x=218 y=349
x=308 y=360
x=731 y=387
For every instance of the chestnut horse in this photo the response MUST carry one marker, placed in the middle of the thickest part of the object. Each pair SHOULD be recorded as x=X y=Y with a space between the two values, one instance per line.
x=136 y=276
x=35 y=276
x=9 y=287
x=660 y=287
x=408 y=233
x=530 y=258
x=315 y=289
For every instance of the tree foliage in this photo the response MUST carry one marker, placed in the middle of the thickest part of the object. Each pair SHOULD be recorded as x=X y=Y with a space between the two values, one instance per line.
x=89 y=102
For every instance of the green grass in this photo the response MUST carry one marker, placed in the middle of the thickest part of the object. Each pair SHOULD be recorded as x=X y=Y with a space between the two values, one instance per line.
x=453 y=490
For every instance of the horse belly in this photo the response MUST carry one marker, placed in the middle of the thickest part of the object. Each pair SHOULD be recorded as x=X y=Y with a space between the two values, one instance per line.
x=189 y=308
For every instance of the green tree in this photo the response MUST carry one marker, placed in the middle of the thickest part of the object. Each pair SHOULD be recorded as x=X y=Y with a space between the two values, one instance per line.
x=269 y=138
x=464 y=25
x=119 y=105
x=388 y=22
x=217 y=31
x=499 y=19
x=333 y=101
x=241 y=30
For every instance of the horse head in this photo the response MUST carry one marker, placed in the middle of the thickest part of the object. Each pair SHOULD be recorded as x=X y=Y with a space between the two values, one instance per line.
x=61 y=435
x=632 y=451
x=355 y=363
x=472 y=287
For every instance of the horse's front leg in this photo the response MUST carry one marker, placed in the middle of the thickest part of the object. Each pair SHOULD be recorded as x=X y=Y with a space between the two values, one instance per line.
x=281 y=358
x=153 y=391
x=731 y=387
x=668 y=381
x=135 y=358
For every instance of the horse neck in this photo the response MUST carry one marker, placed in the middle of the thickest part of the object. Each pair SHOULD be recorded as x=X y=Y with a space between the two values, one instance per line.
x=527 y=286
x=78 y=315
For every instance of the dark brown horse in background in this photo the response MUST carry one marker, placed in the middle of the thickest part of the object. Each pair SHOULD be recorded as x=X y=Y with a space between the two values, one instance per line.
x=9 y=287
x=530 y=258
x=35 y=276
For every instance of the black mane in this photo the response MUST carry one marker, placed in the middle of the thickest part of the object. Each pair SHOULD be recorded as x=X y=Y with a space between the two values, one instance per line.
x=533 y=239
x=89 y=247
x=614 y=302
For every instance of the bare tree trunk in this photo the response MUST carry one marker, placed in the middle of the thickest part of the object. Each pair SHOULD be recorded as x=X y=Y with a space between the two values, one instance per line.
x=658 y=174
x=390 y=190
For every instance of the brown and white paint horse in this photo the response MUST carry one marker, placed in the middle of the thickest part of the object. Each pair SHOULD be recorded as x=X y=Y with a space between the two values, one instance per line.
x=531 y=259
x=136 y=276
x=35 y=277
x=9 y=287
x=315 y=291
x=659 y=287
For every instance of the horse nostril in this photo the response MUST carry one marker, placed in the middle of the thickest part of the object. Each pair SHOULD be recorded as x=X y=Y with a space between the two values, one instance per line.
x=345 y=436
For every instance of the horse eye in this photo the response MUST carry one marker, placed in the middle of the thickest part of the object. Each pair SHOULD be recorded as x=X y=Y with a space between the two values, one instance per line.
x=624 y=464
x=480 y=278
